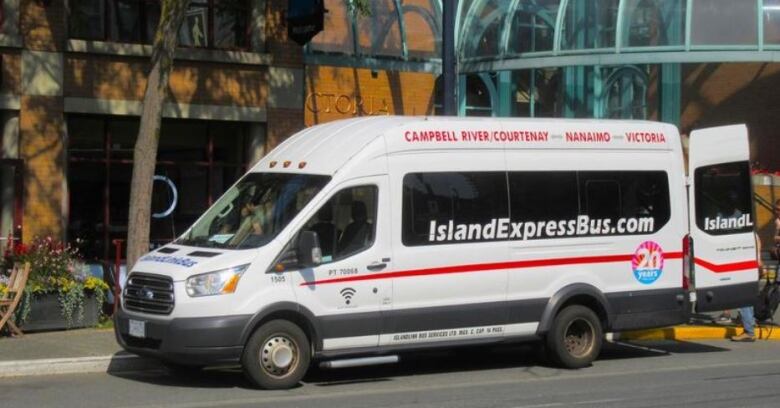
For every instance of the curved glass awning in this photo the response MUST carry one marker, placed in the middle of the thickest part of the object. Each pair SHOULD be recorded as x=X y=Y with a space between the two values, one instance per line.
x=494 y=35
x=396 y=30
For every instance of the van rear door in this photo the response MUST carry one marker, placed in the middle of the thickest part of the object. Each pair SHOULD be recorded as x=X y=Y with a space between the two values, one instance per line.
x=725 y=271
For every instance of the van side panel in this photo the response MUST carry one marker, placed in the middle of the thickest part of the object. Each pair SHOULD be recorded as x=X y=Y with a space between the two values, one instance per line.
x=448 y=290
x=607 y=261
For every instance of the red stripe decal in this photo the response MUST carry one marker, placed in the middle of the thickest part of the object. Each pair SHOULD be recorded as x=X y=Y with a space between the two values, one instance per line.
x=535 y=263
x=729 y=267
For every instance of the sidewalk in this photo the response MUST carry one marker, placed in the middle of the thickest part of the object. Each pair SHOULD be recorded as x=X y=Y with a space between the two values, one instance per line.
x=65 y=352
x=96 y=350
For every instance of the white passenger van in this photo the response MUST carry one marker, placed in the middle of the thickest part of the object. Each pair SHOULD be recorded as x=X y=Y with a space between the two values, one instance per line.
x=358 y=239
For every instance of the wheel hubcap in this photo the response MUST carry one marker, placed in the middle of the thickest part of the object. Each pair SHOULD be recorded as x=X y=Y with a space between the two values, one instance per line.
x=578 y=338
x=279 y=355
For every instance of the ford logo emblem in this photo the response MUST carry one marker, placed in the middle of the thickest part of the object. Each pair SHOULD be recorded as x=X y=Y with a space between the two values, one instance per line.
x=146 y=293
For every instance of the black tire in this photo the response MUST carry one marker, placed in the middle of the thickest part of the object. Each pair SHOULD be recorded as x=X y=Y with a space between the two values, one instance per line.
x=574 y=340
x=278 y=341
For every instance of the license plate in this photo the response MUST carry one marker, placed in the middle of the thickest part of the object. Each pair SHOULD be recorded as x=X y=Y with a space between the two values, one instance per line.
x=137 y=328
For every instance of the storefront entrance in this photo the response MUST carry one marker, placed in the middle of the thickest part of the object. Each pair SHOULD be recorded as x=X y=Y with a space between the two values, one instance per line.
x=196 y=162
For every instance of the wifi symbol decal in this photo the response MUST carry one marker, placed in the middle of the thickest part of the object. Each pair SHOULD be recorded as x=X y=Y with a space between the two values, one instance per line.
x=347 y=294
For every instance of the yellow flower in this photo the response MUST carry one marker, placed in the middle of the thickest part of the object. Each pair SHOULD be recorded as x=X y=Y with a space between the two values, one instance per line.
x=93 y=283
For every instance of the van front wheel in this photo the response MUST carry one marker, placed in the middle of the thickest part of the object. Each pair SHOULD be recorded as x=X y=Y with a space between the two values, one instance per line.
x=276 y=356
x=574 y=340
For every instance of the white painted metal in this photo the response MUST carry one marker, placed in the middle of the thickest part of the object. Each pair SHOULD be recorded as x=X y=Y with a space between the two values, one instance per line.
x=380 y=151
x=725 y=144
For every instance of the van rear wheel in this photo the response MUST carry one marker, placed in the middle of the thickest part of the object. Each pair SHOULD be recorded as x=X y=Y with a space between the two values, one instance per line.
x=276 y=356
x=574 y=340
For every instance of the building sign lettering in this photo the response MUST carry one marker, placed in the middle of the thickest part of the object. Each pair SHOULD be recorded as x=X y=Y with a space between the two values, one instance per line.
x=321 y=102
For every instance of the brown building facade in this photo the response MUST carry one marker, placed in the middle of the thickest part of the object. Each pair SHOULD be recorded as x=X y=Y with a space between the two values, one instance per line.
x=73 y=79
x=73 y=74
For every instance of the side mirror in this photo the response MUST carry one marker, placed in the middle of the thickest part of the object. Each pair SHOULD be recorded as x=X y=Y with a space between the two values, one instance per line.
x=309 y=251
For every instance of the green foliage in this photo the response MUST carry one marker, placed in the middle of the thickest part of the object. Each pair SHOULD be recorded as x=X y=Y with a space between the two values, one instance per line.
x=361 y=7
x=55 y=267
x=25 y=306
x=72 y=303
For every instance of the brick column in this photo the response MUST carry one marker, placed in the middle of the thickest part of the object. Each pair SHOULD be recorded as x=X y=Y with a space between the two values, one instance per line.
x=285 y=77
x=42 y=119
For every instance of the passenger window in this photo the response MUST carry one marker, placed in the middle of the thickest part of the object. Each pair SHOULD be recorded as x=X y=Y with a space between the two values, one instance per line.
x=625 y=202
x=562 y=204
x=543 y=195
x=440 y=208
x=723 y=198
x=346 y=224
x=602 y=199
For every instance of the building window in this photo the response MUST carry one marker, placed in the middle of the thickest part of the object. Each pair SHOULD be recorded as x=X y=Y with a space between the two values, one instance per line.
x=589 y=24
x=626 y=93
x=207 y=23
x=201 y=159
x=479 y=93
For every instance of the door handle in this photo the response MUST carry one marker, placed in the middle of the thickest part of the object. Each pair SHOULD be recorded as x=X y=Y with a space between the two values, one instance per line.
x=376 y=266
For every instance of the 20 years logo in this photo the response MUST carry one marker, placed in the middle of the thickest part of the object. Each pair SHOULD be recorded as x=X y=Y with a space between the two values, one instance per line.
x=648 y=262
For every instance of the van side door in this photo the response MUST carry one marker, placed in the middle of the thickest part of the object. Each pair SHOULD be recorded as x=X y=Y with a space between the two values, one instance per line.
x=347 y=291
x=449 y=282
x=725 y=270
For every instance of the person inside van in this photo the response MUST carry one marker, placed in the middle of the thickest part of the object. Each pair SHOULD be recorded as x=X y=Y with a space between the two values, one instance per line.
x=357 y=233
x=255 y=217
x=326 y=231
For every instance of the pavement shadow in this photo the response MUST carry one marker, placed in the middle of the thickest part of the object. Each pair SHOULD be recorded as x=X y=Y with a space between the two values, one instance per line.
x=219 y=377
x=645 y=349
x=464 y=359
x=433 y=362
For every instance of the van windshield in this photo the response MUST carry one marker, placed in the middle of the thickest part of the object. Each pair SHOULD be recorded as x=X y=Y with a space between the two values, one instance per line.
x=253 y=211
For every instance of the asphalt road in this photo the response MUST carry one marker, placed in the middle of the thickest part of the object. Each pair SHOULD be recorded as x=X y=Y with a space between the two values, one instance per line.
x=704 y=374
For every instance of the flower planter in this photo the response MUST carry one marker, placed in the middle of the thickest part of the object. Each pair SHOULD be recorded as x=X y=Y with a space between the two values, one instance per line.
x=46 y=314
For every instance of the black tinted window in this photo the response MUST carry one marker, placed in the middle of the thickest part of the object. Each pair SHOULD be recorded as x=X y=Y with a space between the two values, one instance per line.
x=723 y=198
x=447 y=207
x=466 y=207
x=587 y=203
x=346 y=224
x=543 y=195
x=626 y=194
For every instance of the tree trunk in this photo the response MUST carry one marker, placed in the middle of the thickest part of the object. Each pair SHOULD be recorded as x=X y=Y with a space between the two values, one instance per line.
x=145 y=153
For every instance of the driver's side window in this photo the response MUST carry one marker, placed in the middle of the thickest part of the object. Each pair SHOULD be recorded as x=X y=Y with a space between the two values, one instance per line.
x=346 y=224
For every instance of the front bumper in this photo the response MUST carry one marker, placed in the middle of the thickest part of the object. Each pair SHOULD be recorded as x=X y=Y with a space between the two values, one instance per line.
x=188 y=341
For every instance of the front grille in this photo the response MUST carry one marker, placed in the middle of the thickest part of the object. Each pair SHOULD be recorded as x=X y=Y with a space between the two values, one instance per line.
x=147 y=293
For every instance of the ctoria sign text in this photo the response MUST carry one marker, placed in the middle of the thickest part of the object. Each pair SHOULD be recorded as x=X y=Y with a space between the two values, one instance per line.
x=319 y=102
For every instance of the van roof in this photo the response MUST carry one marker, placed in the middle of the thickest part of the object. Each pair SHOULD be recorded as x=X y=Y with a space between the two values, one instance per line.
x=326 y=148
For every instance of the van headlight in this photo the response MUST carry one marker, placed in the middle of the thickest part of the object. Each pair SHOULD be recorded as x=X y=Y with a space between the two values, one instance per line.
x=215 y=283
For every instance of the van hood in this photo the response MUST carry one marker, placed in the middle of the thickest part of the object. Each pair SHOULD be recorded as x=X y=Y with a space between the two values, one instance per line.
x=180 y=262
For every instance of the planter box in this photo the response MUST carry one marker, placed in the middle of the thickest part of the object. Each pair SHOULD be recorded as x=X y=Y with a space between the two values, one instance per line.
x=47 y=315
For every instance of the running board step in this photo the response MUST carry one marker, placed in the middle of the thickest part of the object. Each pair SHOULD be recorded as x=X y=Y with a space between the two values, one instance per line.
x=359 y=362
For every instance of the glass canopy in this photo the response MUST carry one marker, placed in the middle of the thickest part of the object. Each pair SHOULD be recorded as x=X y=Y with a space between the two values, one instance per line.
x=515 y=34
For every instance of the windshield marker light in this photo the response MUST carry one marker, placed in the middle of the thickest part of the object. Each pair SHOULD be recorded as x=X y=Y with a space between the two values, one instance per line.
x=286 y=164
x=301 y=164
x=215 y=283
x=273 y=164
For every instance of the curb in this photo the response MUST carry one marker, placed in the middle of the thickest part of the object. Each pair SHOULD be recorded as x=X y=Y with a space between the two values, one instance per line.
x=77 y=365
x=698 y=333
